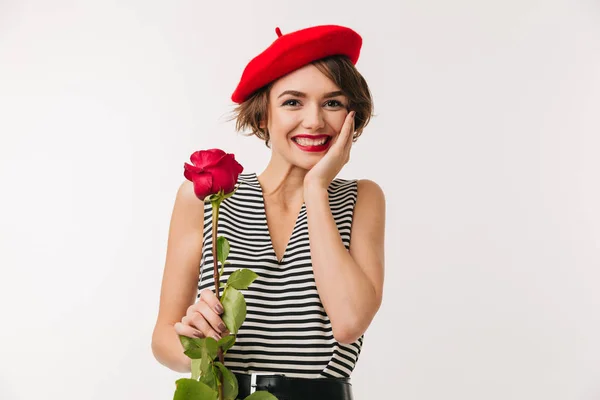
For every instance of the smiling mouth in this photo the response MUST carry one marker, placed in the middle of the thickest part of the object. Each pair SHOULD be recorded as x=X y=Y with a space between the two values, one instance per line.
x=309 y=142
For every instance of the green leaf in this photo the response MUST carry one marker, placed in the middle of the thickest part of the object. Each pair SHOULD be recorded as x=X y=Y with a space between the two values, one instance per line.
x=191 y=343
x=261 y=395
x=241 y=279
x=194 y=354
x=187 y=342
x=235 y=309
x=192 y=346
x=226 y=343
x=212 y=347
x=210 y=378
x=222 y=249
x=230 y=383
x=204 y=363
x=184 y=341
x=192 y=389
x=196 y=368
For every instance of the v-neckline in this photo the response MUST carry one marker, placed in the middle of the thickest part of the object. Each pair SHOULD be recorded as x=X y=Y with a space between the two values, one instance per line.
x=264 y=211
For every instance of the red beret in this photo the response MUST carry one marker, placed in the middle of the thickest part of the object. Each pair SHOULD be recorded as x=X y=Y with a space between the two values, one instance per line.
x=293 y=50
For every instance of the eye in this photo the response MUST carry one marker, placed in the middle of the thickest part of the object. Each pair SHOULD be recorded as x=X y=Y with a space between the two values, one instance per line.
x=329 y=103
x=287 y=102
x=336 y=103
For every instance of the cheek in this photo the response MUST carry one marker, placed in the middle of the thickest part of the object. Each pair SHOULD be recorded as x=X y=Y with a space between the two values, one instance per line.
x=283 y=124
x=287 y=119
x=338 y=123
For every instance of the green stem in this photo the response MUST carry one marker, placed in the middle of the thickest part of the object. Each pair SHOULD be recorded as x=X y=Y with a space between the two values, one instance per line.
x=215 y=222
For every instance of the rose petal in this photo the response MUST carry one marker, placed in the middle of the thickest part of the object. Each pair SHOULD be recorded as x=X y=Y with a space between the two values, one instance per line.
x=202 y=185
x=225 y=174
x=237 y=168
x=193 y=168
x=222 y=168
x=189 y=175
x=206 y=158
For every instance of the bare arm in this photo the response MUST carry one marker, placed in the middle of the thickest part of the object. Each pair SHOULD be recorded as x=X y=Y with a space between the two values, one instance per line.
x=180 y=278
x=350 y=283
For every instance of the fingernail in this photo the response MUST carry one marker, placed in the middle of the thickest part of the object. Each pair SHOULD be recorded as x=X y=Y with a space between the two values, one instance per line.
x=219 y=308
x=216 y=337
x=222 y=327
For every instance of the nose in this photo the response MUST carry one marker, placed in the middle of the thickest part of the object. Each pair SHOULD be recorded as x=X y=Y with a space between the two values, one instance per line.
x=313 y=118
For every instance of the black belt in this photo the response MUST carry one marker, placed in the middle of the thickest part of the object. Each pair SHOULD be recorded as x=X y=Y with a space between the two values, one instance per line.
x=288 y=388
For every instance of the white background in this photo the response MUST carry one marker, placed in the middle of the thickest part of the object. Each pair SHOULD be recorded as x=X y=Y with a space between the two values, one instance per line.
x=486 y=143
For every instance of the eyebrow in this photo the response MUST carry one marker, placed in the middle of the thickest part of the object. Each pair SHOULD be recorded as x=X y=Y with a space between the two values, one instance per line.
x=300 y=94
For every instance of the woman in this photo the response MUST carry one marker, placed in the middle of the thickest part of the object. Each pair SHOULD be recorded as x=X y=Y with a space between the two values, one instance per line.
x=316 y=241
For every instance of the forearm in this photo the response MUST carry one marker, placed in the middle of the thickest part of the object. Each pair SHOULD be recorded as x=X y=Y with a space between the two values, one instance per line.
x=168 y=350
x=348 y=296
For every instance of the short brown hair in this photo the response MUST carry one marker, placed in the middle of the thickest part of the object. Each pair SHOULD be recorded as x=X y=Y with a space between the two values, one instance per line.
x=340 y=70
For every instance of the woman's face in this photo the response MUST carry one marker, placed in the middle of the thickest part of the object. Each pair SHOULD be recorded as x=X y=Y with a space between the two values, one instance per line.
x=304 y=102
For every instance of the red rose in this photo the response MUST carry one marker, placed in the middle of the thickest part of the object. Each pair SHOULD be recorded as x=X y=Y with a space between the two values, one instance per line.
x=212 y=170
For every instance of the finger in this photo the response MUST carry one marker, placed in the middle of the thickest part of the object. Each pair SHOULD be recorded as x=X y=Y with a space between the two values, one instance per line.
x=349 y=132
x=209 y=297
x=202 y=308
x=212 y=318
x=349 y=141
x=349 y=126
x=350 y=122
x=199 y=322
x=196 y=323
x=186 y=330
x=343 y=135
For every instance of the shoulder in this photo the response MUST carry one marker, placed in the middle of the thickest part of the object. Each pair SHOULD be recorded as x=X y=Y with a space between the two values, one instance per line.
x=187 y=203
x=370 y=194
x=185 y=193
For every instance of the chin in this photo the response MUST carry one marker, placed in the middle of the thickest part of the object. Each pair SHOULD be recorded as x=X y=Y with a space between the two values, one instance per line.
x=304 y=164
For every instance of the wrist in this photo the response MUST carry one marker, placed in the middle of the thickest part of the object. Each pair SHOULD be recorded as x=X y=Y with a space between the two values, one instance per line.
x=314 y=194
x=314 y=186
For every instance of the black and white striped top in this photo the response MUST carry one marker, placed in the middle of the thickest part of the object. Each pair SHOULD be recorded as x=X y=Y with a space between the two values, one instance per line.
x=286 y=330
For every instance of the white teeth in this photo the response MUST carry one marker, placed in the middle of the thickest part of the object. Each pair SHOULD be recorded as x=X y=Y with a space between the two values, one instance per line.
x=309 y=142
